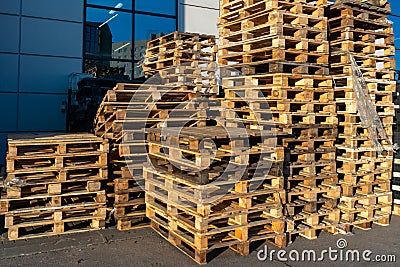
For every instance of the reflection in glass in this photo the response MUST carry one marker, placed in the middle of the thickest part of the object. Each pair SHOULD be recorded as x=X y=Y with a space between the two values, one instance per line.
x=125 y=4
x=106 y=33
x=149 y=28
x=166 y=7
x=109 y=69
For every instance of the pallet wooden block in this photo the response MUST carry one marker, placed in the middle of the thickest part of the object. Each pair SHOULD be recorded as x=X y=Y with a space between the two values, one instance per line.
x=197 y=223
x=46 y=222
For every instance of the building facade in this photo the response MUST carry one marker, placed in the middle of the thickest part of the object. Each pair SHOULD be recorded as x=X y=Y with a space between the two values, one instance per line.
x=45 y=41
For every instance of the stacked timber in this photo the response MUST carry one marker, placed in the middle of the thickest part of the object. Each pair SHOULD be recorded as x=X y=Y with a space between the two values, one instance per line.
x=122 y=117
x=282 y=51
x=361 y=30
x=108 y=124
x=203 y=193
x=183 y=59
x=53 y=185
x=177 y=97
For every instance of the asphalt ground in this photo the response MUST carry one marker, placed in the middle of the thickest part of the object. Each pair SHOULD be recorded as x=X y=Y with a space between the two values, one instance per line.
x=144 y=247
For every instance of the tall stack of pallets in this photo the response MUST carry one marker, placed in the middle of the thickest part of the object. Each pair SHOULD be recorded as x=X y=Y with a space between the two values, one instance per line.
x=361 y=29
x=125 y=203
x=122 y=117
x=168 y=99
x=203 y=193
x=282 y=50
x=53 y=185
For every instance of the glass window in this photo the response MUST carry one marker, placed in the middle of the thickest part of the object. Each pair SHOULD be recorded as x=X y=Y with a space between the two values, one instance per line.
x=124 y=4
x=113 y=32
x=166 y=7
x=149 y=28
x=109 y=69
x=110 y=39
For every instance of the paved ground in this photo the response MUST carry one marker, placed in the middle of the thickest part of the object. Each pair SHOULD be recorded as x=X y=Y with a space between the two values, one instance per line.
x=145 y=248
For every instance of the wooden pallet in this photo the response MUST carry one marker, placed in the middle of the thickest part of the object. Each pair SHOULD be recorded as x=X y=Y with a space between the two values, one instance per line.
x=187 y=244
x=364 y=48
x=365 y=176
x=58 y=163
x=360 y=23
x=50 y=177
x=341 y=63
x=365 y=187
x=312 y=232
x=258 y=29
x=256 y=192
x=380 y=218
x=281 y=119
x=220 y=220
x=161 y=64
x=379 y=197
x=308 y=224
x=299 y=95
x=276 y=66
x=200 y=235
x=181 y=53
x=33 y=223
x=133 y=223
x=185 y=152
x=295 y=107
x=239 y=8
x=324 y=176
x=361 y=35
x=52 y=189
x=383 y=7
x=310 y=194
x=54 y=201
x=110 y=113
x=344 y=86
x=312 y=17
x=179 y=49
x=182 y=37
x=366 y=212
x=21 y=146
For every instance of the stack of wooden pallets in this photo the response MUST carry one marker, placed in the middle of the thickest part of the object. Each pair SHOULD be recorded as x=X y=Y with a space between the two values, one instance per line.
x=183 y=59
x=109 y=122
x=202 y=191
x=53 y=185
x=361 y=29
x=186 y=64
x=122 y=117
x=282 y=50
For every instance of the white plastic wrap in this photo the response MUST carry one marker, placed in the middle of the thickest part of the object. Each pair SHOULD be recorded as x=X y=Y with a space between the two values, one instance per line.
x=367 y=110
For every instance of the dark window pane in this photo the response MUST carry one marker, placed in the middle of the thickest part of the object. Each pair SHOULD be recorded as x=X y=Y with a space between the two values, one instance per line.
x=157 y=6
x=148 y=28
x=110 y=32
x=125 y=4
x=109 y=69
